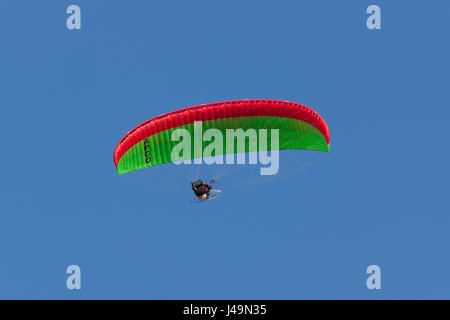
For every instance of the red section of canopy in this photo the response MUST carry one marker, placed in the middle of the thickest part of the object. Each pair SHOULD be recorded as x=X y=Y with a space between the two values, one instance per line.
x=219 y=110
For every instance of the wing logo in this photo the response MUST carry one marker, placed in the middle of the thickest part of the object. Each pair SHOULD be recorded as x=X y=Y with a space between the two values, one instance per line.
x=147 y=151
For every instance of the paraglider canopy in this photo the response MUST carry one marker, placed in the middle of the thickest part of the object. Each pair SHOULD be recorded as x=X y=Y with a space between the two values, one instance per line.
x=152 y=142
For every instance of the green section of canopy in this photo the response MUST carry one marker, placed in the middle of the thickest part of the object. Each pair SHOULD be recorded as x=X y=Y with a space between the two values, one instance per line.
x=157 y=149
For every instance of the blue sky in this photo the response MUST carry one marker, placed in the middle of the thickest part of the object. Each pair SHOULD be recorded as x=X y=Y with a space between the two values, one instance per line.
x=380 y=197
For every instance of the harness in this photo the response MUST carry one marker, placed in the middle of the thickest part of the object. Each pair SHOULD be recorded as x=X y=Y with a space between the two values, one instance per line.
x=200 y=187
